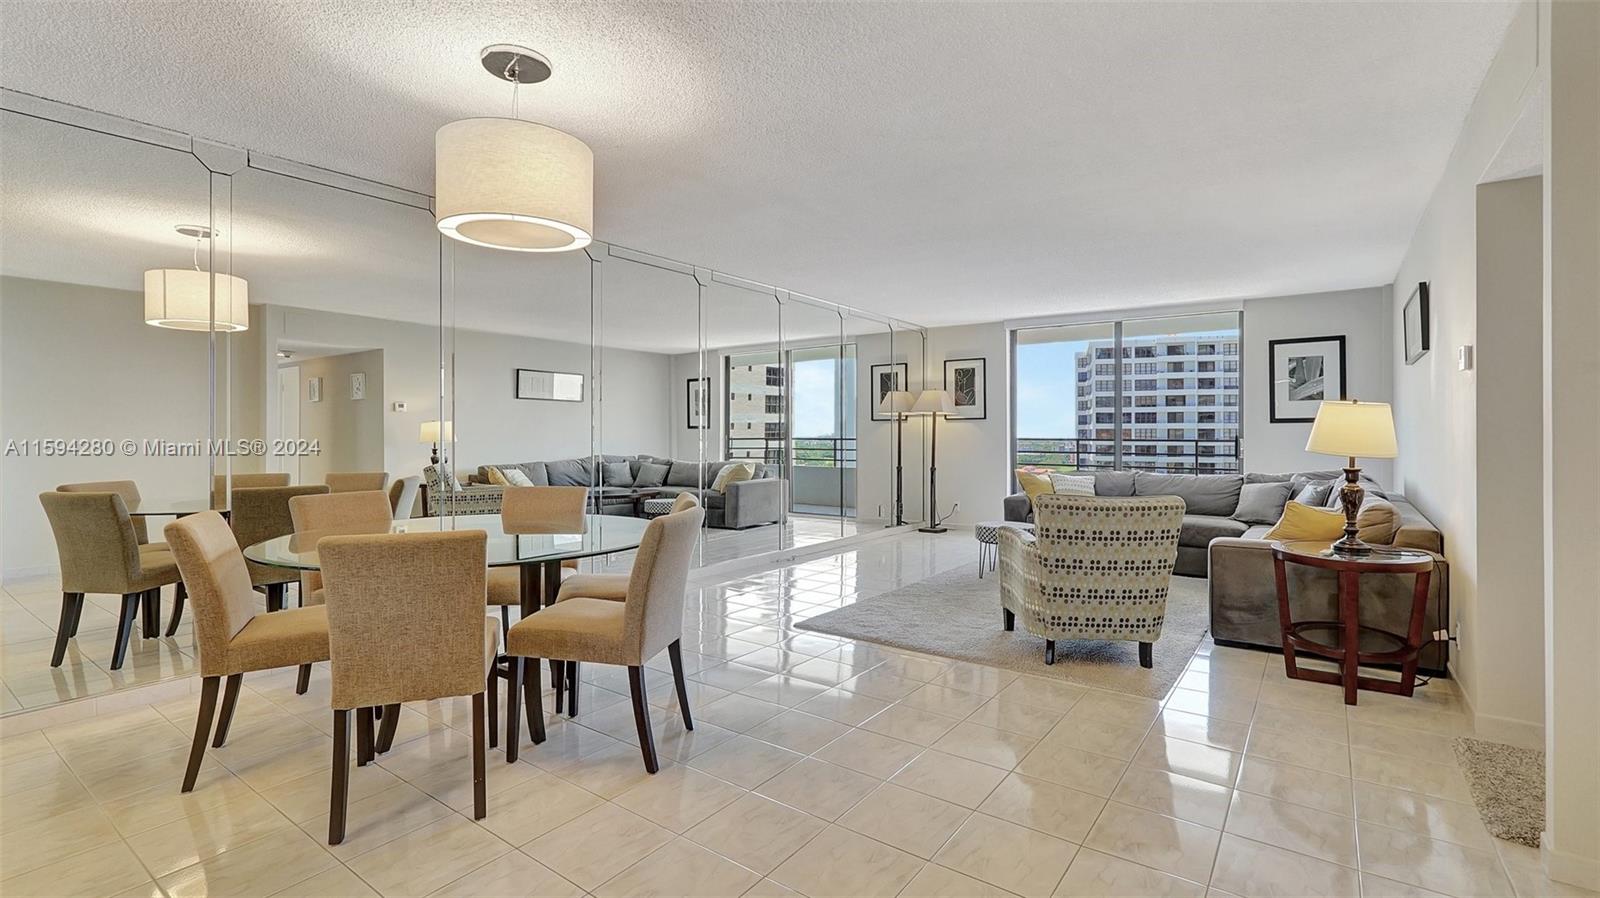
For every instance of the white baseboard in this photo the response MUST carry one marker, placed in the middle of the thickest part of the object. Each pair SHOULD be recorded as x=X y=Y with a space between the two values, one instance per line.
x=1509 y=730
x=1564 y=866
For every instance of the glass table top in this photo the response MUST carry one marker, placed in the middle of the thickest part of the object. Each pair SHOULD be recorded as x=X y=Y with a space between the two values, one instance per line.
x=157 y=506
x=601 y=534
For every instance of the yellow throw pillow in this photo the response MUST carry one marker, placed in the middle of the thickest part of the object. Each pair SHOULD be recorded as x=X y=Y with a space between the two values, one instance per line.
x=1035 y=484
x=496 y=477
x=732 y=474
x=1304 y=522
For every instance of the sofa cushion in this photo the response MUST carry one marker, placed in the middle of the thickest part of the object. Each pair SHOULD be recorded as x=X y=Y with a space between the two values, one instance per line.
x=1377 y=522
x=732 y=473
x=1034 y=483
x=684 y=473
x=1312 y=492
x=536 y=473
x=1268 y=478
x=1202 y=494
x=1113 y=483
x=650 y=475
x=569 y=472
x=1309 y=523
x=1262 y=502
x=616 y=473
x=1200 y=529
x=1072 y=484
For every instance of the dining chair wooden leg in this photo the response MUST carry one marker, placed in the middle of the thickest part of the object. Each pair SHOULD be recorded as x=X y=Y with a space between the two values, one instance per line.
x=202 y=730
x=675 y=655
x=275 y=593
x=363 y=736
x=493 y=691
x=572 y=688
x=77 y=615
x=130 y=610
x=533 y=700
x=1049 y=651
x=505 y=623
x=480 y=792
x=1147 y=654
x=391 y=722
x=71 y=607
x=150 y=612
x=339 y=793
x=558 y=683
x=641 y=719
x=302 y=680
x=178 y=596
x=230 y=698
x=513 y=707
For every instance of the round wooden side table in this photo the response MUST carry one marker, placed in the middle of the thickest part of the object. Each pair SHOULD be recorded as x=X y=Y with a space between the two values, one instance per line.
x=1347 y=630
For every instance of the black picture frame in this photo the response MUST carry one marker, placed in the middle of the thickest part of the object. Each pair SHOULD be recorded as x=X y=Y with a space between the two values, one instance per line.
x=901 y=374
x=1284 y=406
x=1417 y=324
x=702 y=420
x=521 y=389
x=978 y=408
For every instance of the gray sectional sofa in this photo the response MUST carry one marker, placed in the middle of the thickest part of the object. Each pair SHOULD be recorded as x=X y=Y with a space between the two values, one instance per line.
x=616 y=486
x=1224 y=542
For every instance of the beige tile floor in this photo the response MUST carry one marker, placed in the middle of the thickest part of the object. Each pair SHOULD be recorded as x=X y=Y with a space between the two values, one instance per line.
x=817 y=767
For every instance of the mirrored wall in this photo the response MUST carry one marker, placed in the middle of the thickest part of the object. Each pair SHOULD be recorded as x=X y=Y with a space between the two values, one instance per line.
x=195 y=327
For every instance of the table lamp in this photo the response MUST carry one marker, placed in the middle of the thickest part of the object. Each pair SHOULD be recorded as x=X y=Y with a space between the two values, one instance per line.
x=435 y=434
x=897 y=404
x=933 y=403
x=1351 y=428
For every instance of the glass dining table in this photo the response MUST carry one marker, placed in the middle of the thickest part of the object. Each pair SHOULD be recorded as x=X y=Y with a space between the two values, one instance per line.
x=168 y=506
x=538 y=554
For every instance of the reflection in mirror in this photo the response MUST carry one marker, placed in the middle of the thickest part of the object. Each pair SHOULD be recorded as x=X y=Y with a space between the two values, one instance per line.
x=880 y=382
x=96 y=397
x=907 y=346
x=821 y=451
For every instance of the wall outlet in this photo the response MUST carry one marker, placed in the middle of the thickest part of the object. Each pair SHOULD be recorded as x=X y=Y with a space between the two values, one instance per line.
x=1464 y=358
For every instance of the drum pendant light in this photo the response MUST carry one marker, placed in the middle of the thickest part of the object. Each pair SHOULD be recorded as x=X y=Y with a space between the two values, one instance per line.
x=180 y=298
x=511 y=184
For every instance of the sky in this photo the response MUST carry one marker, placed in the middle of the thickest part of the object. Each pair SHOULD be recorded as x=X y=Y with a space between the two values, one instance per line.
x=816 y=397
x=1047 y=398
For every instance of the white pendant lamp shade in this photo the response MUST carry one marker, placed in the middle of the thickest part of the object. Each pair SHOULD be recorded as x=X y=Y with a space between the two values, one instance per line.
x=180 y=298
x=505 y=183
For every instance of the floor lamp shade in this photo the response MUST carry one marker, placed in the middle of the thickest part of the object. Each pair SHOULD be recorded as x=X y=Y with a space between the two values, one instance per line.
x=1353 y=429
x=180 y=298
x=505 y=183
x=934 y=402
x=897 y=402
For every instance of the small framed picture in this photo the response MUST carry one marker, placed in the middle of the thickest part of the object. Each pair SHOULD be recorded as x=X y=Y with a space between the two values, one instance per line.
x=968 y=386
x=885 y=379
x=697 y=398
x=358 y=386
x=1416 y=323
x=1305 y=371
x=549 y=386
x=314 y=390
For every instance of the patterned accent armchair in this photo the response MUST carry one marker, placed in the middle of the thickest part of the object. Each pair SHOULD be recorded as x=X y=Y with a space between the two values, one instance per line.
x=448 y=498
x=1094 y=568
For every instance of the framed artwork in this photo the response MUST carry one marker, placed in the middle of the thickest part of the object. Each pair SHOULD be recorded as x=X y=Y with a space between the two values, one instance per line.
x=886 y=379
x=1416 y=323
x=550 y=386
x=358 y=386
x=314 y=390
x=697 y=399
x=1305 y=371
x=968 y=385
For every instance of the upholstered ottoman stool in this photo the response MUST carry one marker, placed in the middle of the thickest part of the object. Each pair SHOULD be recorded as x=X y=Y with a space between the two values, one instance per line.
x=988 y=533
x=655 y=508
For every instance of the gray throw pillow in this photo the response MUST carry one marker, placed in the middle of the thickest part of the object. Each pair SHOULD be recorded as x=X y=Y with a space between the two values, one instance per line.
x=1315 y=493
x=568 y=472
x=1262 y=503
x=616 y=474
x=684 y=473
x=651 y=475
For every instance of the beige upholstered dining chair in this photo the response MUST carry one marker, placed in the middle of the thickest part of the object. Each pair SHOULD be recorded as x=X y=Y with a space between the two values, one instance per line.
x=129 y=491
x=366 y=511
x=220 y=487
x=356 y=481
x=403 y=496
x=534 y=509
x=1094 y=568
x=628 y=633
x=406 y=623
x=261 y=513
x=234 y=639
x=99 y=552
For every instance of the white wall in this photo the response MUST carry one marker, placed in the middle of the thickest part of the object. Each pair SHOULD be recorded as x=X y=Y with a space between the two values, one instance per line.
x=972 y=456
x=1362 y=317
x=1437 y=407
x=349 y=432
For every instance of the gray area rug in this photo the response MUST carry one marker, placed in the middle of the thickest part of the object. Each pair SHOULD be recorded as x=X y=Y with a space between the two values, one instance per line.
x=956 y=615
x=1507 y=786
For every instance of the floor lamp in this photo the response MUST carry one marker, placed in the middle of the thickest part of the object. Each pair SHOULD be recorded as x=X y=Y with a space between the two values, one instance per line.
x=933 y=403
x=897 y=404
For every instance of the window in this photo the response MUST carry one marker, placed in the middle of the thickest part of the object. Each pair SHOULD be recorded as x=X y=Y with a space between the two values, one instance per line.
x=775 y=405
x=1146 y=401
x=1104 y=352
x=1145 y=367
x=1207 y=349
x=1103 y=386
x=1174 y=383
x=1205 y=383
x=1174 y=417
x=1105 y=417
x=1144 y=417
x=1206 y=366
x=1175 y=367
x=1176 y=349
x=1145 y=384
x=1105 y=402
x=1144 y=352
x=1177 y=400
x=1206 y=400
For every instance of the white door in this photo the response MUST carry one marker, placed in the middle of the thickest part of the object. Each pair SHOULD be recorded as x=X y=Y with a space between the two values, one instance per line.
x=288 y=420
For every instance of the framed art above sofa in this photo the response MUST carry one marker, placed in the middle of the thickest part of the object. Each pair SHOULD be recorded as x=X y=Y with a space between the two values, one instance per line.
x=1416 y=323
x=1304 y=371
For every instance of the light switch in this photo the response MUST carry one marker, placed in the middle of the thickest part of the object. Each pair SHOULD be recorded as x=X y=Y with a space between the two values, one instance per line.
x=399 y=406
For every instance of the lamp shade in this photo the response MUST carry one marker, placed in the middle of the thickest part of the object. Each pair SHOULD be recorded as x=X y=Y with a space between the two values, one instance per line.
x=509 y=184
x=1353 y=429
x=933 y=402
x=431 y=432
x=897 y=402
x=180 y=298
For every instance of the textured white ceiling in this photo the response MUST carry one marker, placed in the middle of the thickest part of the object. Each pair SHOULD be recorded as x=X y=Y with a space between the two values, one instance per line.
x=940 y=162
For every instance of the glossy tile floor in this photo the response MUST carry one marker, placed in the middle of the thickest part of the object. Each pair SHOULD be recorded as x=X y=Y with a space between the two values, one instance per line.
x=817 y=767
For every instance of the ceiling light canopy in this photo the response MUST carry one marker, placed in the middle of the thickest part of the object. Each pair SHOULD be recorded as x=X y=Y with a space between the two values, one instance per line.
x=181 y=298
x=510 y=184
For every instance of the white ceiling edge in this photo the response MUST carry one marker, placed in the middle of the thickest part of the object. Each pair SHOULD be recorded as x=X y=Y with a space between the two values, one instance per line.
x=1521 y=154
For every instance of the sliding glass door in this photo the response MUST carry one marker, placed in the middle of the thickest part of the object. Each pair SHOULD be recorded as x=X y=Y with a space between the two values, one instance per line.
x=1159 y=394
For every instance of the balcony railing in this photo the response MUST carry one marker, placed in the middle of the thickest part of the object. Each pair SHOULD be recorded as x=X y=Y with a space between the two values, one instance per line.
x=1170 y=456
x=809 y=452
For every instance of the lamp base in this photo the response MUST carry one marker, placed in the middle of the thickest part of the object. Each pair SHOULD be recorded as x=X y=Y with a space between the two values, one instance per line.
x=1351 y=495
x=1351 y=548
